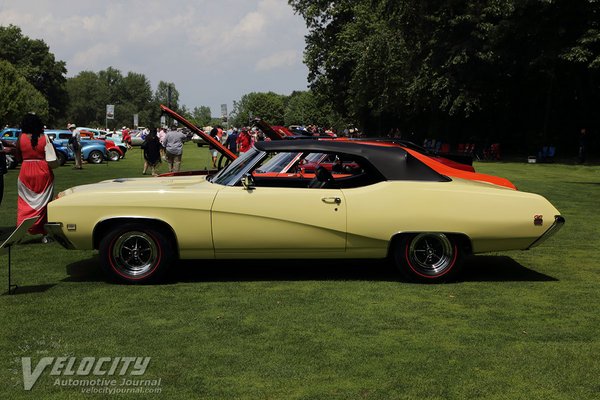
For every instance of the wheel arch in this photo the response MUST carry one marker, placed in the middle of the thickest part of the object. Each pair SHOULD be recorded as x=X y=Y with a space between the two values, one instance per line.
x=463 y=240
x=103 y=227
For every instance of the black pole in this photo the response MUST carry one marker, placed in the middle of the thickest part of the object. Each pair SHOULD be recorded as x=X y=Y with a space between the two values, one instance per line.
x=11 y=288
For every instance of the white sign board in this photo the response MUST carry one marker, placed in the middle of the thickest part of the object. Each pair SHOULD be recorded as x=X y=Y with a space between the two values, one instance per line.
x=110 y=111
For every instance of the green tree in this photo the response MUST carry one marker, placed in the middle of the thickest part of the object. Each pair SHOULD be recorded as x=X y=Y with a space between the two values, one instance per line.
x=201 y=116
x=269 y=106
x=303 y=108
x=18 y=96
x=90 y=92
x=88 y=95
x=135 y=96
x=167 y=94
x=523 y=71
x=34 y=61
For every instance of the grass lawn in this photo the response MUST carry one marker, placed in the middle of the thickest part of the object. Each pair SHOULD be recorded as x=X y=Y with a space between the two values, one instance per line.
x=518 y=325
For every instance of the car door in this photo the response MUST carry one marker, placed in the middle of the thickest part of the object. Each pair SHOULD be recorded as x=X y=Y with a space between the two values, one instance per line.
x=276 y=222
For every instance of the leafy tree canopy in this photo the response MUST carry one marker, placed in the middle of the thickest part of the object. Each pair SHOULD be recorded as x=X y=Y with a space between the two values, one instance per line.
x=34 y=61
x=495 y=69
x=18 y=96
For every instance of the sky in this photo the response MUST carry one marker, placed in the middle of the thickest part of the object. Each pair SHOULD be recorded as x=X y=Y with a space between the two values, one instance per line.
x=214 y=51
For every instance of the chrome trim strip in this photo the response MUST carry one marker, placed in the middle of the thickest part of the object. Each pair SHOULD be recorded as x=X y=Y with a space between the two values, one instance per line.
x=559 y=221
x=55 y=231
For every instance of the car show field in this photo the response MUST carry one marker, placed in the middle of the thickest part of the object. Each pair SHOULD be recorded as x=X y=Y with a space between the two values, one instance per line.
x=514 y=324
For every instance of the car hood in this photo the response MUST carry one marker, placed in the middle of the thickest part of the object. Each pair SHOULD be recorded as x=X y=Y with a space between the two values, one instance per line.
x=148 y=185
x=207 y=138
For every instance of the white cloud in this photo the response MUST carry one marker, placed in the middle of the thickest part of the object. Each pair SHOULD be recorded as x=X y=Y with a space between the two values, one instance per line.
x=214 y=51
x=281 y=59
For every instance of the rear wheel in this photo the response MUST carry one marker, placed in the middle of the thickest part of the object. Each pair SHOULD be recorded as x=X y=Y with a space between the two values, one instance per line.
x=62 y=159
x=428 y=257
x=113 y=155
x=136 y=253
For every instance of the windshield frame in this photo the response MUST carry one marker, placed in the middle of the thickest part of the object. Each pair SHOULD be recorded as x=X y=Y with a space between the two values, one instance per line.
x=233 y=173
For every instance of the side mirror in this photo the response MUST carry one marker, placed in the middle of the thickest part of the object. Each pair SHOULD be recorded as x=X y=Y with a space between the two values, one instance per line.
x=248 y=182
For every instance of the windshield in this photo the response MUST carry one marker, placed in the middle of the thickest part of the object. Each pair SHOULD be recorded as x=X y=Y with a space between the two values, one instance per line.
x=278 y=163
x=229 y=175
x=314 y=157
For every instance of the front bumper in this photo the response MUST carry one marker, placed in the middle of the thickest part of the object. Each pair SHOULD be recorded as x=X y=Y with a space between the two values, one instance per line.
x=559 y=221
x=55 y=230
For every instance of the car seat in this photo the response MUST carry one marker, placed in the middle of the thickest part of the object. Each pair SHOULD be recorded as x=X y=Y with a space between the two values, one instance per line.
x=322 y=180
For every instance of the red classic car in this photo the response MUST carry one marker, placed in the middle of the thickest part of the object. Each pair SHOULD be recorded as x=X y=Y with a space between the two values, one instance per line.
x=113 y=151
x=298 y=161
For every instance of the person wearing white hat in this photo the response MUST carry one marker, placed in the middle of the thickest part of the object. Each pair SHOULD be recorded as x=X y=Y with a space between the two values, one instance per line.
x=75 y=143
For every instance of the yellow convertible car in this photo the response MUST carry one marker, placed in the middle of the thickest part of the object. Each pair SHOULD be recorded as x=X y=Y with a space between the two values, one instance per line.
x=371 y=202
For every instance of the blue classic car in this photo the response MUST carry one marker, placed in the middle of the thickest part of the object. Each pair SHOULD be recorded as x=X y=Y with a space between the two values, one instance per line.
x=94 y=151
x=102 y=134
x=10 y=133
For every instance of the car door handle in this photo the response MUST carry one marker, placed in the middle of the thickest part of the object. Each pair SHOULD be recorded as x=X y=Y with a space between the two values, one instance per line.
x=331 y=200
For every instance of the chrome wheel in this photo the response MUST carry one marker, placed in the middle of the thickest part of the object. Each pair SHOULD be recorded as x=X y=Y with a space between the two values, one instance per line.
x=430 y=254
x=11 y=162
x=113 y=155
x=95 y=157
x=135 y=253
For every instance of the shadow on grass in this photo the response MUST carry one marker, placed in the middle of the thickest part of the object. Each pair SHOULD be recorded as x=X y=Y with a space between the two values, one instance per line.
x=584 y=183
x=5 y=232
x=87 y=270
x=284 y=270
x=30 y=289
x=476 y=269
x=499 y=269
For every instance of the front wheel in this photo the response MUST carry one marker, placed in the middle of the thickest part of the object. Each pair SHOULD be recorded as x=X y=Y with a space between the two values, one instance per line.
x=11 y=162
x=428 y=257
x=95 y=157
x=136 y=253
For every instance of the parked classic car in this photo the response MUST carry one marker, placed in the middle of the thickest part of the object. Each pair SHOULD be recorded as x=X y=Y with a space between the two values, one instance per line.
x=9 y=148
x=439 y=164
x=390 y=205
x=94 y=151
x=457 y=161
x=114 y=143
x=10 y=134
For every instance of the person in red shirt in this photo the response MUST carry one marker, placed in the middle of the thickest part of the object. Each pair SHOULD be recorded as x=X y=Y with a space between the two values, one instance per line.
x=244 y=141
x=126 y=137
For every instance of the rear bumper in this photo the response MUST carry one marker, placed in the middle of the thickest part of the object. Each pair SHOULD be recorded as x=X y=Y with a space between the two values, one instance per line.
x=55 y=230
x=559 y=221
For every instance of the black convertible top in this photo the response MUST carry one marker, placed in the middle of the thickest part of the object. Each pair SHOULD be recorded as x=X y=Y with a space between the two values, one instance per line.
x=394 y=163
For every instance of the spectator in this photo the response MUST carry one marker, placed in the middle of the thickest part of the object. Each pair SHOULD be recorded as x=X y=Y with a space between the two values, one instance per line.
x=244 y=141
x=35 y=184
x=126 y=137
x=75 y=144
x=152 y=150
x=214 y=133
x=162 y=135
x=174 y=149
x=231 y=141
